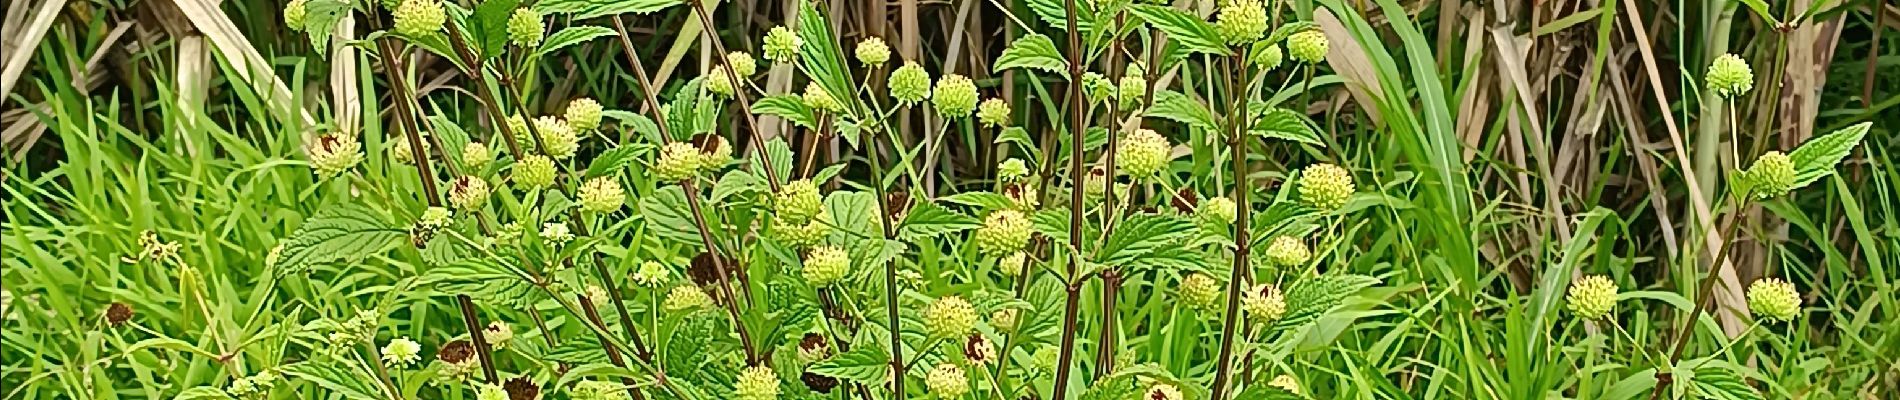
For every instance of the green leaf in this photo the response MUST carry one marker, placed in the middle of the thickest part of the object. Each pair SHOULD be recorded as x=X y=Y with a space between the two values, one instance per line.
x=1289 y=125
x=581 y=349
x=439 y=45
x=1817 y=158
x=980 y=200
x=1033 y=51
x=485 y=281
x=570 y=36
x=927 y=219
x=681 y=111
x=866 y=364
x=452 y=135
x=852 y=212
x=587 y=9
x=611 y=161
x=319 y=21
x=347 y=230
x=1312 y=297
x=1193 y=33
x=639 y=123
x=669 y=216
x=1142 y=235
x=736 y=182
x=1722 y=384
x=202 y=393
x=332 y=376
x=444 y=249
x=789 y=107
x=821 y=58
x=1055 y=12
x=1279 y=34
x=1178 y=107
x=489 y=26
x=781 y=155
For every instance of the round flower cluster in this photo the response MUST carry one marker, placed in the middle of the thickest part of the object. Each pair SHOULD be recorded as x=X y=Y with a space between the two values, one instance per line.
x=1325 y=187
x=1216 y=212
x=598 y=390
x=294 y=13
x=909 y=83
x=1729 y=76
x=1163 y=391
x=401 y=352
x=400 y=150
x=1003 y=232
x=1308 y=46
x=717 y=82
x=525 y=27
x=781 y=44
x=1288 y=251
x=1012 y=170
x=1774 y=299
x=1264 y=302
x=678 y=161
x=558 y=137
x=651 y=274
x=798 y=201
x=333 y=153
x=419 y=18
x=583 y=114
x=1267 y=57
x=534 y=171
x=1773 y=175
x=469 y=192
x=1013 y=264
x=802 y=234
x=602 y=195
x=714 y=153
x=1199 y=290
x=993 y=112
x=949 y=317
x=819 y=100
x=826 y=265
x=757 y=383
x=1592 y=297
x=873 y=52
x=1005 y=319
x=1286 y=382
x=954 y=96
x=1241 y=21
x=499 y=334
x=1144 y=153
x=686 y=298
x=476 y=155
x=742 y=63
x=947 y=381
x=556 y=233
x=1131 y=89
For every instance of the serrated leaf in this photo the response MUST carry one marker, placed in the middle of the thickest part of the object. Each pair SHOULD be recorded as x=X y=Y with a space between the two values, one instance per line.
x=851 y=213
x=1722 y=384
x=639 y=123
x=1140 y=236
x=821 y=58
x=680 y=112
x=1193 y=33
x=581 y=349
x=319 y=22
x=1178 y=107
x=570 y=36
x=611 y=161
x=1312 y=297
x=484 y=280
x=867 y=364
x=781 y=156
x=981 y=200
x=444 y=249
x=201 y=393
x=586 y=9
x=669 y=216
x=1033 y=51
x=336 y=379
x=1289 y=125
x=489 y=26
x=1055 y=13
x=790 y=107
x=346 y=230
x=736 y=182
x=1817 y=158
x=927 y=219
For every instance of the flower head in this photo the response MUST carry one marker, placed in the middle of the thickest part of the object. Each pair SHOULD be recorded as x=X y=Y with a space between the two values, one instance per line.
x=1729 y=76
x=807 y=234
x=598 y=390
x=1325 y=186
x=1774 y=299
x=1005 y=319
x=993 y=112
x=686 y=298
x=812 y=348
x=602 y=195
x=818 y=99
x=781 y=45
x=1268 y=57
x=798 y=201
x=401 y=352
x=1286 y=382
x=294 y=13
x=873 y=52
x=118 y=313
x=435 y=218
x=498 y=334
x=1162 y=391
x=485 y=391
x=520 y=388
x=402 y=153
x=1288 y=251
x=1012 y=170
x=1199 y=291
x=1241 y=21
x=1131 y=89
x=1144 y=153
x=978 y=349
x=717 y=82
x=556 y=233
x=742 y=63
x=333 y=153
x=534 y=172
x=1013 y=264
x=476 y=155
x=1097 y=86
x=909 y=83
x=1002 y=233
x=525 y=27
x=954 y=96
x=826 y=265
x=419 y=18
x=1264 y=303
x=714 y=152
x=1773 y=175
x=947 y=381
x=652 y=274
x=1216 y=212
x=950 y=317
x=469 y=192
x=1308 y=46
x=583 y=114
x=678 y=162
x=1592 y=297
x=558 y=137
x=757 y=383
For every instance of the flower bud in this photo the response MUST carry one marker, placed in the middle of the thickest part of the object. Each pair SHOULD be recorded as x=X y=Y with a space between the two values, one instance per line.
x=717 y=82
x=1774 y=299
x=1013 y=264
x=686 y=298
x=1216 y=212
x=1241 y=21
x=826 y=265
x=950 y=317
x=993 y=112
x=808 y=234
x=1729 y=76
x=797 y=201
x=1131 y=89
x=1002 y=233
x=419 y=18
x=947 y=381
x=678 y=162
x=1288 y=251
x=714 y=152
x=909 y=83
x=1012 y=170
x=873 y=52
x=781 y=45
x=476 y=155
x=401 y=152
x=602 y=195
x=1005 y=320
x=742 y=63
x=294 y=13
x=819 y=100
x=954 y=96
x=1267 y=57
x=1592 y=297
x=525 y=27
x=1144 y=153
x=558 y=137
x=533 y=172
x=1773 y=175
x=1325 y=187
x=1308 y=46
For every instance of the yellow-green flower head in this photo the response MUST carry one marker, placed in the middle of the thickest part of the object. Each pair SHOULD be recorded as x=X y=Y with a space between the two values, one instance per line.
x=1325 y=186
x=1308 y=46
x=434 y=218
x=1012 y=170
x=519 y=126
x=333 y=153
x=294 y=13
x=947 y=381
x=1774 y=299
x=525 y=27
x=1268 y=57
x=476 y=155
x=1772 y=175
x=678 y=162
x=1005 y=319
x=1199 y=291
x=826 y=265
x=1097 y=86
x=401 y=152
x=954 y=96
x=1729 y=76
x=1131 y=89
x=468 y=192
x=1002 y=233
x=1218 y=211
x=818 y=99
x=1288 y=251
x=419 y=18
x=401 y=352
x=1592 y=297
x=652 y=274
x=781 y=45
x=993 y=112
x=1286 y=382
x=686 y=298
x=1264 y=303
x=757 y=383
x=873 y=52
x=801 y=235
x=499 y=334
x=556 y=233
x=602 y=195
x=487 y=391
x=599 y=390
x=1144 y=153
x=557 y=136
x=714 y=154
x=717 y=82
x=742 y=63
x=1045 y=358
x=1013 y=264
x=798 y=201
x=909 y=83
x=583 y=114
x=1163 y=391
x=950 y=317
x=1241 y=21
x=534 y=172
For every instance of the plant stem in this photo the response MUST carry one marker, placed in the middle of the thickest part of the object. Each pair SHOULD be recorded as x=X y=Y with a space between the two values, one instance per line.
x=738 y=93
x=890 y=268
x=1243 y=245
x=1076 y=179
x=1704 y=295
x=719 y=267
x=613 y=353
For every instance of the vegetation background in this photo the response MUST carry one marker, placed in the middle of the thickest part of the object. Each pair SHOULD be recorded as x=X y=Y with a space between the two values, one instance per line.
x=1565 y=136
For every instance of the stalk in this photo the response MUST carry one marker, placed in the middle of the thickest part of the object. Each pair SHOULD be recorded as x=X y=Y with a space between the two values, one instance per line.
x=738 y=93
x=1076 y=179
x=890 y=268
x=1704 y=296
x=1111 y=278
x=1243 y=245
x=613 y=353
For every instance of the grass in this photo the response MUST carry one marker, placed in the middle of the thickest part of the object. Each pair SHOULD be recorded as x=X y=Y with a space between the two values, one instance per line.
x=1496 y=158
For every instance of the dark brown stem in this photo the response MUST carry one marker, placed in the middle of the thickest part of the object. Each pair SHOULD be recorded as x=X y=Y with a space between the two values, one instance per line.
x=613 y=353
x=1243 y=245
x=1111 y=278
x=1705 y=294
x=1076 y=178
x=719 y=267
x=890 y=268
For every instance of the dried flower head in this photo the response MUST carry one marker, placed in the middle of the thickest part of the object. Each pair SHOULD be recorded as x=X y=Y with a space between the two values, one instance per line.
x=1162 y=391
x=812 y=347
x=818 y=383
x=520 y=388
x=499 y=334
x=978 y=349
x=118 y=313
